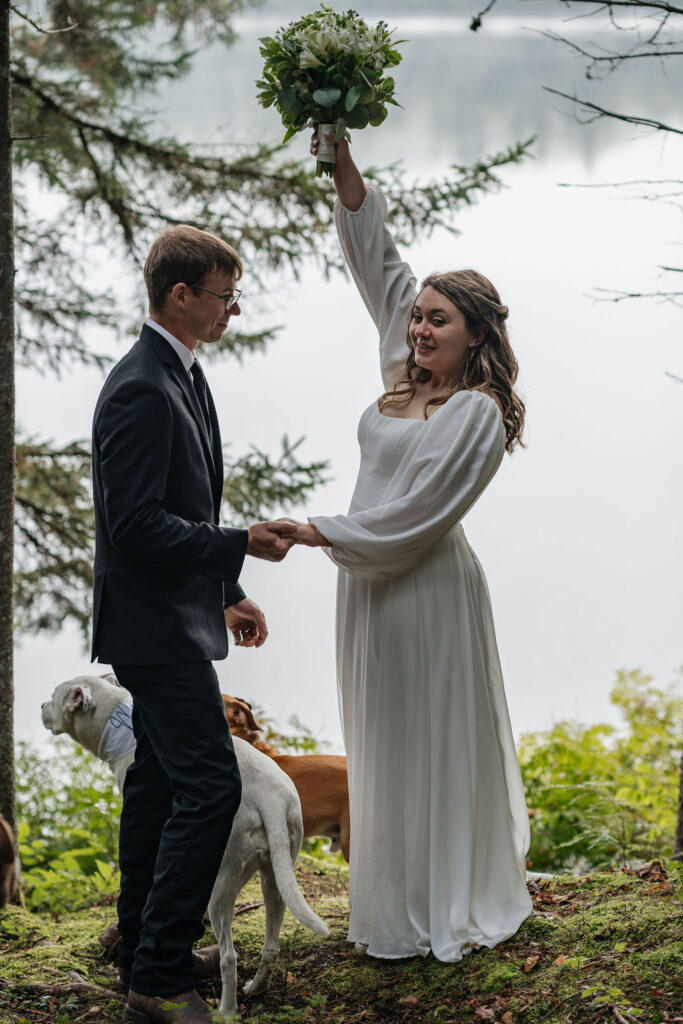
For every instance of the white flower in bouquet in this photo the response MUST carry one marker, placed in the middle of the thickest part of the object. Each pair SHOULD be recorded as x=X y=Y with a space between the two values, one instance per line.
x=328 y=69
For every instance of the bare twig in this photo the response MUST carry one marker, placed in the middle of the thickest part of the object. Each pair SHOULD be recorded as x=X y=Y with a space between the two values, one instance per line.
x=242 y=908
x=658 y=5
x=616 y=296
x=646 y=122
x=623 y=1018
x=75 y=988
x=476 y=20
x=612 y=58
x=39 y=28
x=619 y=184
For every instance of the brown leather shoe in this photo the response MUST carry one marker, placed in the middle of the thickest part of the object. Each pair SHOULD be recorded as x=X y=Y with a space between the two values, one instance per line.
x=181 y=1008
x=205 y=962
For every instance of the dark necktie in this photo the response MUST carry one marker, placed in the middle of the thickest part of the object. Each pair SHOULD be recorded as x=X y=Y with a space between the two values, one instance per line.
x=199 y=381
x=201 y=390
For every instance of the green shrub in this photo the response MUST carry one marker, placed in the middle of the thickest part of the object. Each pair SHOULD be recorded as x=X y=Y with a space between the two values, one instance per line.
x=597 y=794
x=68 y=809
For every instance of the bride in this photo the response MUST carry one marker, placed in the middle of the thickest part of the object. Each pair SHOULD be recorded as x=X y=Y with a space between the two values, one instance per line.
x=439 y=825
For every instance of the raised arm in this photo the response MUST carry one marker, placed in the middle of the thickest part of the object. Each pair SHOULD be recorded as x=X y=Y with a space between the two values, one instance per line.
x=348 y=180
x=385 y=282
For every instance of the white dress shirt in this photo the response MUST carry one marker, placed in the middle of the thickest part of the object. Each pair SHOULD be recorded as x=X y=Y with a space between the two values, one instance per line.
x=182 y=351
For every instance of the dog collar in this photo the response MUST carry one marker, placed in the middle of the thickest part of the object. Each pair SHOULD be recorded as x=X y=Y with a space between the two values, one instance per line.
x=117 y=737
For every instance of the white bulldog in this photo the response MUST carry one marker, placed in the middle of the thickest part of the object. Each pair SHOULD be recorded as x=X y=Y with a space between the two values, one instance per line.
x=96 y=712
x=266 y=834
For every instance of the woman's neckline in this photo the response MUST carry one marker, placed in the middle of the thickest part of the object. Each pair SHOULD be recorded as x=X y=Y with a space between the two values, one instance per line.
x=414 y=419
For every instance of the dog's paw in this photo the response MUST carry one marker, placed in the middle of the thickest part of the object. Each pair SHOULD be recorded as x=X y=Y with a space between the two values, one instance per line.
x=254 y=987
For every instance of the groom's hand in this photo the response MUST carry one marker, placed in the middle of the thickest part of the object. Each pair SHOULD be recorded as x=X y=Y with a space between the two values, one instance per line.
x=271 y=541
x=307 y=534
x=247 y=623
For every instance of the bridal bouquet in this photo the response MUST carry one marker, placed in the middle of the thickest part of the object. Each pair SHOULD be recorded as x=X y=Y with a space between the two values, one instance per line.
x=328 y=70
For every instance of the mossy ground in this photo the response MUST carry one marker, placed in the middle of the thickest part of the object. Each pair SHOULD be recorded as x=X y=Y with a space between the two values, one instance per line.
x=602 y=947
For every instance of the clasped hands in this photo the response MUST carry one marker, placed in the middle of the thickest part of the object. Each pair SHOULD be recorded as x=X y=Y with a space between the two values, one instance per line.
x=272 y=540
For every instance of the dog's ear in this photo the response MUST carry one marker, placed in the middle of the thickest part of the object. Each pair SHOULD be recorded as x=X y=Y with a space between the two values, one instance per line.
x=79 y=698
x=111 y=678
x=253 y=724
x=241 y=712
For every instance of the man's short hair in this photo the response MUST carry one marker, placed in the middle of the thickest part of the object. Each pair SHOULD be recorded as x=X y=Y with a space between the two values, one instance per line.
x=184 y=253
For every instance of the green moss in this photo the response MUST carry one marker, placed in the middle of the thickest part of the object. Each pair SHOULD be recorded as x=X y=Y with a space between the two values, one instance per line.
x=617 y=939
x=497 y=977
x=536 y=927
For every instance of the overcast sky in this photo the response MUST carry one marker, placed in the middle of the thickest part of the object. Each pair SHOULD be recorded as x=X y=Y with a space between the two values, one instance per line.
x=579 y=535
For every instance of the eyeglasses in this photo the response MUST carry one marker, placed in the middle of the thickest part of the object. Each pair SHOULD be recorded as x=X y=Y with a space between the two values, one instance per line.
x=229 y=300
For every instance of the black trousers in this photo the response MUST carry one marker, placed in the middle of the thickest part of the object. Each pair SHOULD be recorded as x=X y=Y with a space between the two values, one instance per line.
x=180 y=797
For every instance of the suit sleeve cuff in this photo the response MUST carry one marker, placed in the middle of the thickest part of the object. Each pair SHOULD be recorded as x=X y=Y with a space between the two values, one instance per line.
x=232 y=594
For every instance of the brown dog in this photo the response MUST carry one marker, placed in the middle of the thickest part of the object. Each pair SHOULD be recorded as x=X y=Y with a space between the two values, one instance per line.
x=9 y=864
x=320 y=779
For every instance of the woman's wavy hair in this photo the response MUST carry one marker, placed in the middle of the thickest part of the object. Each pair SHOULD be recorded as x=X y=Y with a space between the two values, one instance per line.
x=490 y=365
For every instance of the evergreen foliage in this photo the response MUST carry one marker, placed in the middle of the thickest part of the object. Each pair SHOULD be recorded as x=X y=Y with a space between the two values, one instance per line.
x=83 y=78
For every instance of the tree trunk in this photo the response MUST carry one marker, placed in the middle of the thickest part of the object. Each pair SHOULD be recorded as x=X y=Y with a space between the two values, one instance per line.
x=678 y=841
x=7 y=777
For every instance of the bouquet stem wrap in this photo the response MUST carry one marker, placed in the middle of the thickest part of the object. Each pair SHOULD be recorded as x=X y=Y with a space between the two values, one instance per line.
x=327 y=151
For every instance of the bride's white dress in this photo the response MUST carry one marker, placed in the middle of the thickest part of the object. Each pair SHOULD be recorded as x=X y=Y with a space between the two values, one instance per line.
x=439 y=826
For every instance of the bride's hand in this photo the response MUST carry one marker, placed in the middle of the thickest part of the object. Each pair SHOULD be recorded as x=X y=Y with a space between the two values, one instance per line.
x=306 y=534
x=343 y=153
x=348 y=180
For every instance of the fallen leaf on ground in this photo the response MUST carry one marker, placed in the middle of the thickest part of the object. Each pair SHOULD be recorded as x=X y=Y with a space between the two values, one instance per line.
x=530 y=962
x=653 y=872
x=483 y=1014
x=409 y=1001
x=564 y=899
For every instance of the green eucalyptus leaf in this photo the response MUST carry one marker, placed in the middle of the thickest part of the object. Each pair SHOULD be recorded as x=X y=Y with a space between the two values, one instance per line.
x=326 y=97
x=376 y=119
x=358 y=117
x=287 y=100
x=341 y=130
x=352 y=97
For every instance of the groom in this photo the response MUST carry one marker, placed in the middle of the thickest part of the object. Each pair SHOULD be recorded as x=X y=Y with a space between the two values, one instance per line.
x=166 y=585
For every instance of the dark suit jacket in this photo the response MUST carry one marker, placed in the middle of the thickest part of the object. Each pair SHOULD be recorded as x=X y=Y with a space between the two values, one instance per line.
x=164 y=569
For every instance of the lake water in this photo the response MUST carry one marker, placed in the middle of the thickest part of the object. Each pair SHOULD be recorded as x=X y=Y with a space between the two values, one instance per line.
x=579 y=535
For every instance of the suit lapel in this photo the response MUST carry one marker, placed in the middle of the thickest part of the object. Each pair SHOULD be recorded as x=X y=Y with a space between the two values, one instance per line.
x=176 y=369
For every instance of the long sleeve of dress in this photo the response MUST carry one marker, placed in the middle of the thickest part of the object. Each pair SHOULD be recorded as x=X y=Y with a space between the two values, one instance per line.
x=455 y=455
x=385 y=282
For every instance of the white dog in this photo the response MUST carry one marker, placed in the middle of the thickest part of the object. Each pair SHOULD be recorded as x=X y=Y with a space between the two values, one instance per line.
x=266 y=834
